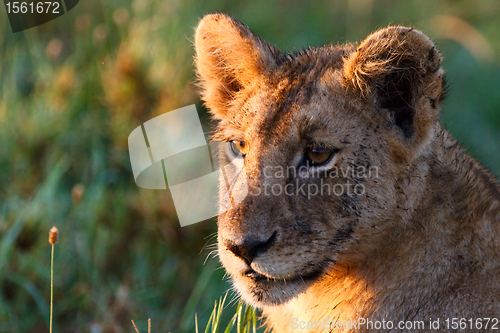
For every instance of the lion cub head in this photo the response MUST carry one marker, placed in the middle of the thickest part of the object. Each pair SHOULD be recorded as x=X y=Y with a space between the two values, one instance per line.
x=325 y=137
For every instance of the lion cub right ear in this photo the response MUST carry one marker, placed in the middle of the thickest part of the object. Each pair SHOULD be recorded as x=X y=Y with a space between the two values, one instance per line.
x=229 y=58
x=400 y=67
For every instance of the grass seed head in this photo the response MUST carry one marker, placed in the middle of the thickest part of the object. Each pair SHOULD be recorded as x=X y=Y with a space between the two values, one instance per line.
x=53 y=235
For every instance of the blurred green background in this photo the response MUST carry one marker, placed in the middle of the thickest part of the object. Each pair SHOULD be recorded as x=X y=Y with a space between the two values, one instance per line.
x=73 y=89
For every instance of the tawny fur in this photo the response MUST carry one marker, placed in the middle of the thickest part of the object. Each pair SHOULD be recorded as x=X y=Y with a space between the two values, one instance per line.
x=421 y=242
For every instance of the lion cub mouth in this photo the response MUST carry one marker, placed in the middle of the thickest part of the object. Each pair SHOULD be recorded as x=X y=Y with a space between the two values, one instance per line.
x=309 y=277
x=265 y=290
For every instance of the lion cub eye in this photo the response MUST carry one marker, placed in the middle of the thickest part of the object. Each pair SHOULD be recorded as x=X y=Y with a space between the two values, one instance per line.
x=238 y=147
x=318 y=157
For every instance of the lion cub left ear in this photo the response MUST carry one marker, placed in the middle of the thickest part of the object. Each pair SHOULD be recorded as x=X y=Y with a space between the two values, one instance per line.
x=229 y=58
x=400 y=68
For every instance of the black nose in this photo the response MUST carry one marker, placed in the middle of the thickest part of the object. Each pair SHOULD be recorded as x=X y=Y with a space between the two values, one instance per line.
x=250 y=247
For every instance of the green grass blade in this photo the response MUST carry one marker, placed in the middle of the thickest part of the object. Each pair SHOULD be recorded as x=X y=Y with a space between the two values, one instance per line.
x=254 y=316
x=212 y=316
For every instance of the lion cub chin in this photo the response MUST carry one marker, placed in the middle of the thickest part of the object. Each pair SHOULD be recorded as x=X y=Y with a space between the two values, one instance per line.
x=351 y=206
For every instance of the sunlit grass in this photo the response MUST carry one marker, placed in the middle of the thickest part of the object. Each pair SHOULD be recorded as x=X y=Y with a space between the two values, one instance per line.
x=243 y=321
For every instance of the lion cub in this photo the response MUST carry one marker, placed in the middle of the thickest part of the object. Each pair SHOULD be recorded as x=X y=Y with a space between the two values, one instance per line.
x=362 y=212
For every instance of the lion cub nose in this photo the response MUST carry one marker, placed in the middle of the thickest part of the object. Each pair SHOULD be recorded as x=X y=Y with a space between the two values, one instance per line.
x=250 y=247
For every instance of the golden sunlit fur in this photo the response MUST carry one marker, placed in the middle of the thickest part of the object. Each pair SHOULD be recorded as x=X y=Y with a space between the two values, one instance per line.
x=420 y=241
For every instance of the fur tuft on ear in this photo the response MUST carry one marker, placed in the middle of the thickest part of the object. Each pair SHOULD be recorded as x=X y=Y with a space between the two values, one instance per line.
x=400 y=66
x=229 y=57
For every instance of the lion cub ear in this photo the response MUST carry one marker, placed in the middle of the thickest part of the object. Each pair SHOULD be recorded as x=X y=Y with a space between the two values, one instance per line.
x=401 y=68
x=229 y=57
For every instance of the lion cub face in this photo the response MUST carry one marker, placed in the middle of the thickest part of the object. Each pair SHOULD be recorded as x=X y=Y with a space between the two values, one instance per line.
x=323 y=136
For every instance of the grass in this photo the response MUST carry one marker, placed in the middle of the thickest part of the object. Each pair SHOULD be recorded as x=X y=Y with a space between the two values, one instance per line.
x=244 y=320
x=53 y=238
x=73 y=89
